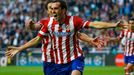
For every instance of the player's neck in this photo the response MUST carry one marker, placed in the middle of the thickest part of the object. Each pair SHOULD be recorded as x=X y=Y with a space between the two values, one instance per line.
x=62 y=20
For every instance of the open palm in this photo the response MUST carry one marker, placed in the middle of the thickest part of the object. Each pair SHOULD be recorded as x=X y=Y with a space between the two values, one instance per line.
x=11 y=51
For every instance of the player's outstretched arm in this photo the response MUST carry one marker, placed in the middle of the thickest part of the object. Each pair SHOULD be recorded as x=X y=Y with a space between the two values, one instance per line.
x=31 y=25
x=11 y=51
x=98 y=24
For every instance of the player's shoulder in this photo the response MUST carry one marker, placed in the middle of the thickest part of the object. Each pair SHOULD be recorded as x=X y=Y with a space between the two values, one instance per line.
x=45 y=19
x=76 y=16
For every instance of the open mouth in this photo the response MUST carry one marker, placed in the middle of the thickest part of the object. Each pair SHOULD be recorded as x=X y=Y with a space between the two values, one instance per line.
x=55 y=15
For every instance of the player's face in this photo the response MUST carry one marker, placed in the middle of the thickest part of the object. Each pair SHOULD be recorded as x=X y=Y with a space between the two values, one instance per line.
x=126 y=27
x=57 y=12
x=49 y=11
x=131 y=22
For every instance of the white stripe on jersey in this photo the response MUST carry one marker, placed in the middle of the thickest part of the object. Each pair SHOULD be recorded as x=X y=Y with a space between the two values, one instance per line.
x=48 y=57
x=43 y=59
x=71 y=39
x=42 y=33
x=128 y=43
x=57 y=44
x=71 y=23
x=132 y=45
x=85 y=23
x=48 y=49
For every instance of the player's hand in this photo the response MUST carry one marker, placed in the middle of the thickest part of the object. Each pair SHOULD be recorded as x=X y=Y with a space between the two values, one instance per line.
x=122 y=24
x=118 y=23
x=97 y=42
x=29 y=24
x=11 y=51
x=100 y=43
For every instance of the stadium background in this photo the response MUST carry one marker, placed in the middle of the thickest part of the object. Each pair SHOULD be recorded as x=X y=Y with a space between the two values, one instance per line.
x=13 y=13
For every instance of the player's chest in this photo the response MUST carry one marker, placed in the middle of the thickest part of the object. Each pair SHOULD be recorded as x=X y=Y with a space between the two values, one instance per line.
x=61 y=30
x=129 y=36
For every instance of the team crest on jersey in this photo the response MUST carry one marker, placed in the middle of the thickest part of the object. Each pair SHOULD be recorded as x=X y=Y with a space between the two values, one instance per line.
x=64 y=27
x=68 y=28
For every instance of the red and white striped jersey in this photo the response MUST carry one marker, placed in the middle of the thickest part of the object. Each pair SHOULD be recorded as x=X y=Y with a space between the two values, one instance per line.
x=47 y=51
x=65 y=43
x=129 y=42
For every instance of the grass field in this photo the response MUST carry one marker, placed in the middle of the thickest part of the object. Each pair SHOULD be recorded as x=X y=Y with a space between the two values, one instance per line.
x=16 y=70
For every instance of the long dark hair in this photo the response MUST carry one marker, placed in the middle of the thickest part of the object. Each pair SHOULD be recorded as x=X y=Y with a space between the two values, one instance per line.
x=46 y=5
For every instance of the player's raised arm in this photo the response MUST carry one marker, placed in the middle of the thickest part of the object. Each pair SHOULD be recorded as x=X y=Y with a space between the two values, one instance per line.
x=11 y=51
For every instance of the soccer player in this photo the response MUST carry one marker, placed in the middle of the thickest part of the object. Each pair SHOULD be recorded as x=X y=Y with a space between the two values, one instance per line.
x=127 y=34
x=63 y=30
x=67 y=52
x=47 y=51
x=129 y=47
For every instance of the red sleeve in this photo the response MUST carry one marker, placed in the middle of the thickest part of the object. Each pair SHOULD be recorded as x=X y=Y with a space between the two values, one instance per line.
x=80 y=23
x=44 y=30
x=43 y=22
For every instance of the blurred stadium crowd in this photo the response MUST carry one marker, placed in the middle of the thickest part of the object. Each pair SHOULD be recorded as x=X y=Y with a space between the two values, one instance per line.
x=13 y=13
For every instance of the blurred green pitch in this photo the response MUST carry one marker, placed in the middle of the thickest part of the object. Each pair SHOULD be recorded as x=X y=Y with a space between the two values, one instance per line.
x=37 y=70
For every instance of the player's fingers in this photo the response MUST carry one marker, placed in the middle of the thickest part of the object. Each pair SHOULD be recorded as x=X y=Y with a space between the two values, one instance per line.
x=101 y=42
x=27 y=22
x=8 y=53
x=98 y=46
x=11 y=56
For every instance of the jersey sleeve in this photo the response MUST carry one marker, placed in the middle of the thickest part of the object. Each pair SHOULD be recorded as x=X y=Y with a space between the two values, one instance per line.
x=42 y=22
x=80 y=23
x=44 y=29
